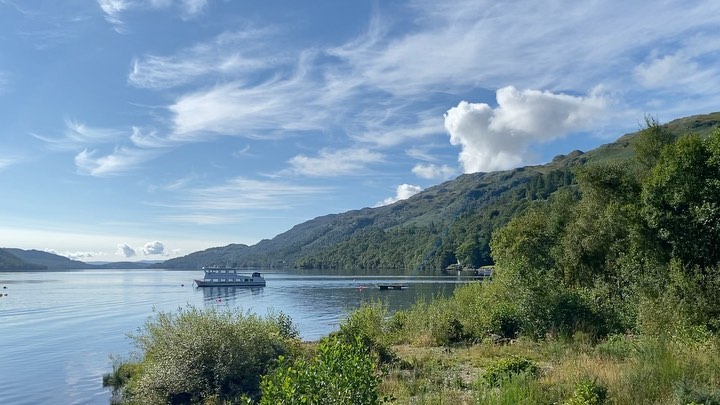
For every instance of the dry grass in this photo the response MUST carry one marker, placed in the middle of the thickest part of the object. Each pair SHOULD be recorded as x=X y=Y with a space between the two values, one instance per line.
x=651 y=372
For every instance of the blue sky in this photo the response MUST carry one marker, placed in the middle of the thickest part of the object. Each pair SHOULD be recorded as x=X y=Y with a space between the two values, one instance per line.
x=146 y=130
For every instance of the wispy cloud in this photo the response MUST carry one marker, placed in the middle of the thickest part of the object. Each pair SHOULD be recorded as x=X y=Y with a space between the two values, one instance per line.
x=330 y=163
x=115 y=9
x=8 y=161
x=78 y=134
x=237 y=199
x=242 y=193
x=230 y=55
x=122 y=160
x=251 y=83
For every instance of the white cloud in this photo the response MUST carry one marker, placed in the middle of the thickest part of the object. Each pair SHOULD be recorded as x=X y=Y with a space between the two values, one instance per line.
x=125 y=250
x=78 y=134
x=81 y=255
x=154 y=248
x=387 y=131
x=498 y=138
x=231 y=54
x=683 y=70
x=237 y=199
x=114 y=9
x=8 y=161
x=334 y=163
x=122 y=160
x=192 y=7
x=432 y=171
x=258 y=112
x=403 y=192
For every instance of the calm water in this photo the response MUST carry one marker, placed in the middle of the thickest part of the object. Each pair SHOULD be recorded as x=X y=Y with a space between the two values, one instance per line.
x=58 y=329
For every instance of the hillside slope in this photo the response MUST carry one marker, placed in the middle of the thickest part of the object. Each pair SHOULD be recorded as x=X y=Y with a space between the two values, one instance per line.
x=47 y=260
x=8 y=261
x=444 y=224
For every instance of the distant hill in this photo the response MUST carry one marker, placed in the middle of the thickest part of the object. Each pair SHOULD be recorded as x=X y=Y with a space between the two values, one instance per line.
x=49 y=260
x=8 y=261
x=439 y=226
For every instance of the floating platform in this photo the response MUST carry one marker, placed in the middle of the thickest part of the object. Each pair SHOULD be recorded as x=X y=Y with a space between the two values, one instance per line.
x=391 y=286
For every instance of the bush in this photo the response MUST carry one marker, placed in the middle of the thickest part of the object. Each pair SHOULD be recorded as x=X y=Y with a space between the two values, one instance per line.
x=196 y=355
x=508 y=367
x=687 y=392
x=587 y=392
x=368 y=325
x=341 y=373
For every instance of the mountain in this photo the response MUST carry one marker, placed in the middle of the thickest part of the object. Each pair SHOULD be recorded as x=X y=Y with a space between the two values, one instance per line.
x=48 y=260
x=8 y=261
x=439 y=226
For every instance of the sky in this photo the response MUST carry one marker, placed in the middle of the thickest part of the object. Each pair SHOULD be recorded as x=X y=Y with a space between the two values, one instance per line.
x=150 y=129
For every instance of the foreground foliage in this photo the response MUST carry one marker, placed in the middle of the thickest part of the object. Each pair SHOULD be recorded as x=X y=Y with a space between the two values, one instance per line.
x=340 y=373
x=195 y=355
x=605 y=293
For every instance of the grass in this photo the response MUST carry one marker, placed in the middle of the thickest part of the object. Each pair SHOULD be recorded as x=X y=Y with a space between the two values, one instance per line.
x=619 y=370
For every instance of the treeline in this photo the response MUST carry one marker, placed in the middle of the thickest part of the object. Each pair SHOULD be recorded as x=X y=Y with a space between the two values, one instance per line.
x=636 y=247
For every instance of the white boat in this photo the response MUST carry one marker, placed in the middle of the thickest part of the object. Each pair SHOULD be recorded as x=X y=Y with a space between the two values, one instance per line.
x=229 y=277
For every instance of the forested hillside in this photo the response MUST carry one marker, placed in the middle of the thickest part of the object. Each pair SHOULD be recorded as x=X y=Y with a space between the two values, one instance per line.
x=449 y=223
x=8 y=261
x=47 y=260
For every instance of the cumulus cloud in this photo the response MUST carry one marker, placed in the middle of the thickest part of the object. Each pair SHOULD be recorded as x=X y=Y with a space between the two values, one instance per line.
x=125 y=250
x=154 y=248
x=432 y=171
x=334 y=163
x=498 y=138
x=403 y=191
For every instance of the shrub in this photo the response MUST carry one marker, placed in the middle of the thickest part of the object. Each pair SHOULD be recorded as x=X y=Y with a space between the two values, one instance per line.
x=341 y=373
x=587 y=392
x=196 y=355
x=368 y=325
x=508 y=367
x=687 y=392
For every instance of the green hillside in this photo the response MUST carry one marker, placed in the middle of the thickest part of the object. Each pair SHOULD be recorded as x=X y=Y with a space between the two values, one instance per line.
x=47 y=260
x=8 y=261
x=444 y=224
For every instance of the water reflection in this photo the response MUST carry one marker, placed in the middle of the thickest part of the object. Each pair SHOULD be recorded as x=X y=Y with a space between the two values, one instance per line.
x=230 y=294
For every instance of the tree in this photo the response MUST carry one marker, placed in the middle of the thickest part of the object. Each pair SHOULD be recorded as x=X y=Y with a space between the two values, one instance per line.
x=681 y=199
x=650 y=143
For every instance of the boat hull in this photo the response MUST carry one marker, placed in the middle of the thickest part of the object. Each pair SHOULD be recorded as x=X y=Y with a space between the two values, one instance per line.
x=206 y=283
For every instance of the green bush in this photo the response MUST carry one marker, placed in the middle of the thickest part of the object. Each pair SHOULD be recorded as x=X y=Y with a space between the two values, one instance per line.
x=687 y=392
x=195 y=355
x=368 y=324
x=340 y=373
x=506 y=368
x=587 y=392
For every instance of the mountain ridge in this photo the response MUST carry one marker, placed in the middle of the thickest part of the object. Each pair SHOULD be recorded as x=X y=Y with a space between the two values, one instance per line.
x=444 y=224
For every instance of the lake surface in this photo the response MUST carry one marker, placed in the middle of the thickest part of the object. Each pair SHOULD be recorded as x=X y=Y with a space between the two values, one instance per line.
x=58 y=329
